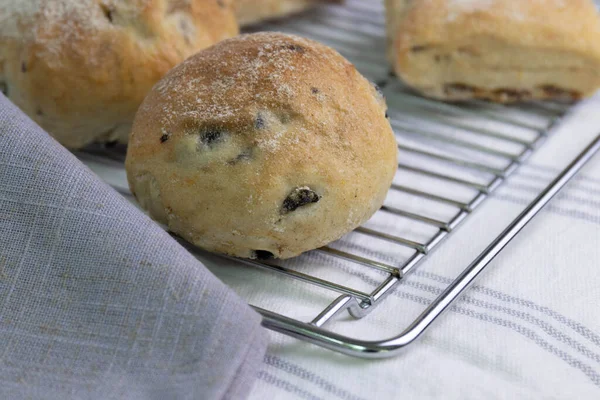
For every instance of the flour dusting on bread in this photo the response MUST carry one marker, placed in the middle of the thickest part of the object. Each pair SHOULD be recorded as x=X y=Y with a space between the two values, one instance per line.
x=263 y=70
x=458 y=7
x=68 y=17
x=511 y=9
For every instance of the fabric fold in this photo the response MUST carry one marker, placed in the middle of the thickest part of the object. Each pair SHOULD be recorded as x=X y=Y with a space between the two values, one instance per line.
x=96 y=300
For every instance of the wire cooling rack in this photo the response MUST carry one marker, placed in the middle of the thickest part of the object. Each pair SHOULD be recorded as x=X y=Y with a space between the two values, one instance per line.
x=452 y=157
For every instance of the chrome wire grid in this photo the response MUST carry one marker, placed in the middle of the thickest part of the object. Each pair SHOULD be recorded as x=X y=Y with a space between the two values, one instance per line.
x=451 y=158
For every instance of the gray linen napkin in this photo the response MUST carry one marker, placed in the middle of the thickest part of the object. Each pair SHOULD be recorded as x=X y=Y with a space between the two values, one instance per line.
x=96 y=300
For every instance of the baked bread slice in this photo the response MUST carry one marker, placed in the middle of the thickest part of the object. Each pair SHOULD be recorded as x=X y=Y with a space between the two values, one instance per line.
x=499 y=50
x=249 y=12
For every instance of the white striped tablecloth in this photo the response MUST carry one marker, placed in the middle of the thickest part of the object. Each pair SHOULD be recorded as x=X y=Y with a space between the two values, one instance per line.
x=528 y=329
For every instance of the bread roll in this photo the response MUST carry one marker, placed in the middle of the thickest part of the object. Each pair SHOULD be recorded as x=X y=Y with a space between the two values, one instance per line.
x=252 y=11
x=81 y=68
x=499 y=50
x=265 y=145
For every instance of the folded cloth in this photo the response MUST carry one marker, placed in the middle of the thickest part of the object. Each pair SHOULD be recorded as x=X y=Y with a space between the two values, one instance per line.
x=96 y=300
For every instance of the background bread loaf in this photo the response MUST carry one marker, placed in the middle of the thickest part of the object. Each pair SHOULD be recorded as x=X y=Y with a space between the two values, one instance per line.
x=81 y=68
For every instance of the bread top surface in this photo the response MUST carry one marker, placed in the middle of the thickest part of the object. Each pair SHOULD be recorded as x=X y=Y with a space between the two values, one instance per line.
x=77 y=66
x=548 y=24
x=230 y=83
x=227 y=135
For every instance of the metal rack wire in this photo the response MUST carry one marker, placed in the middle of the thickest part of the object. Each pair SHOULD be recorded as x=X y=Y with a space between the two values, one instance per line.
x=452 y=157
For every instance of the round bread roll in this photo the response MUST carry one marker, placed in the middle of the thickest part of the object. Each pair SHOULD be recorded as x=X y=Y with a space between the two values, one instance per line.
x=264 y=145
x=81 y=68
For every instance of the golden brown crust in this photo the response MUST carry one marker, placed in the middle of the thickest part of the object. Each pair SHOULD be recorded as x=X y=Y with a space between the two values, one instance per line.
x=80 y=68
x=227 y=136
x=502 y=50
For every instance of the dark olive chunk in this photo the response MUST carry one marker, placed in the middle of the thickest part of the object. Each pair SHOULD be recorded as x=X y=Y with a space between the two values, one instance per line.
x=314 y=90
x=259 y=123
x=378 y=90
x=263 y=255
x=299 y=197
x=108 y=12
x=212 y=136
x=295 y=47
x=39 y=112
x=164 y=137
x=243 y=156
x=23 y=67
x=417 y=49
